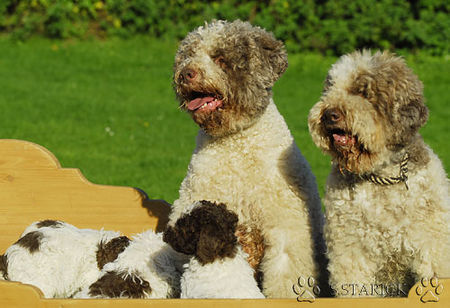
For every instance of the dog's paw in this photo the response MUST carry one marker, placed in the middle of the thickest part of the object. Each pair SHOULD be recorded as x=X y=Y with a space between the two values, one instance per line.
x=306 y=289
x=429 y=289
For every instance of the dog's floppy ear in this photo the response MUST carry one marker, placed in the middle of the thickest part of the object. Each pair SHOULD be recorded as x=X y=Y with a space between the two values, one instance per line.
x=183 y=237
x=207 y=232
x=272 y=54
x=409 y=119
x=215 y=243
x=217 y=237
x=414 y=114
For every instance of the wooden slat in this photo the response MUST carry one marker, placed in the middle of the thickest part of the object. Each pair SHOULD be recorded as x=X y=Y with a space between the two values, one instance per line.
x=18 y=295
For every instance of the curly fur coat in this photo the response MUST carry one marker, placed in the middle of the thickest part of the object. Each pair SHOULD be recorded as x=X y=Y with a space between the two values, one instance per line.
x=387 y=197
x=245 y=155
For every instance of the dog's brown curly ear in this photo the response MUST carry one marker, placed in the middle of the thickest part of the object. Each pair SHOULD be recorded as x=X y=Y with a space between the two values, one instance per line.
x=213 y=244
x=406 y=92
x=273 y=53
x=410 y=118
x=217 y=237
x=207 y=232
x=183 y=237
x=414 y=115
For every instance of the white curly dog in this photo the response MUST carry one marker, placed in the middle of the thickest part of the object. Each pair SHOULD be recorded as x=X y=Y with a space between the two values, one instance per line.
x=245 y=156
x=387 y=197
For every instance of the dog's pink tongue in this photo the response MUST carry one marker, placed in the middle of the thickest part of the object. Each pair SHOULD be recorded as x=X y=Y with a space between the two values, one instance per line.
x=198 y=102
x=343 y=140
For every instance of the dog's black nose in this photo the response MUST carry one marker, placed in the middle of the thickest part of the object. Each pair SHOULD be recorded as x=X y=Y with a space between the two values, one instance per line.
x=188 y=74
x=332 y=116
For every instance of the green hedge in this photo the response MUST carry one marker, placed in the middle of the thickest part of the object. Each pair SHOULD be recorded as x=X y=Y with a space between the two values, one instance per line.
x=327 y=26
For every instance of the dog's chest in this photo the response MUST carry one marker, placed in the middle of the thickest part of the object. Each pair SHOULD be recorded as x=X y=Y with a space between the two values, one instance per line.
x=236 y=175
x=392 y=216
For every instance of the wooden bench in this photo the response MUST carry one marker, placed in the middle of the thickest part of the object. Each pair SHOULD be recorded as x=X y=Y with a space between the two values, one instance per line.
x=33 y=186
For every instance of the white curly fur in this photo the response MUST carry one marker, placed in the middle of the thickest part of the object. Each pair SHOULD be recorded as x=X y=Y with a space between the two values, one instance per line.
x=245 y=171
x=258 y=170
x=64 y=263
x=223 y=278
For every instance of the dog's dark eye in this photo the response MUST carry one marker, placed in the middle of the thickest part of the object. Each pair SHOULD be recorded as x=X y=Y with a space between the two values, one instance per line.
x=220 y=61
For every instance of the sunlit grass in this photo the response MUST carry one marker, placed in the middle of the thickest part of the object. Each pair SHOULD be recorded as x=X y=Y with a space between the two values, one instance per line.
x=108 y=108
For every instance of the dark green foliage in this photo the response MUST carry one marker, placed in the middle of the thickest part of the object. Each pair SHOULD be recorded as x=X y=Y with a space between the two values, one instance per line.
x=327 y=26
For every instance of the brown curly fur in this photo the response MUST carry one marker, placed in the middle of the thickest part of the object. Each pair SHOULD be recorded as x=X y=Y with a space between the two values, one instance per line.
x=252 y=242
x=4 y=267
x=108 y=252
x=49 y=223
x=114 y=284
x=207 y=232
x=234 y=61
x=31 y=241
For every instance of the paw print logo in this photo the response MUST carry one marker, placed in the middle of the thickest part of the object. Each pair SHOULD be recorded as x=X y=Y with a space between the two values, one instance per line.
x=306 y=289
x=429 y=289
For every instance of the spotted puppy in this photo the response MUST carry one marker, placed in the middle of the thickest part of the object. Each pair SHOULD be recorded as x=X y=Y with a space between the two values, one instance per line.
x=387 y=197
x=245 y=155
x=64 y=261
x=218 y=267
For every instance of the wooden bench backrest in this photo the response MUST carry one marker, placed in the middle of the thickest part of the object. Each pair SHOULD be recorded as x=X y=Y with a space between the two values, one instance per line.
x=33 y=186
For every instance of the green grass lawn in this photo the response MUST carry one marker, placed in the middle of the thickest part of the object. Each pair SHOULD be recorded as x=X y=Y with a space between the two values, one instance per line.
x=107 y=107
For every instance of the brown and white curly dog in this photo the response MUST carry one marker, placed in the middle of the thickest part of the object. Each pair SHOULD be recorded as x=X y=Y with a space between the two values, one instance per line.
x=218 y=267
x=387 y=197
x=245 y=156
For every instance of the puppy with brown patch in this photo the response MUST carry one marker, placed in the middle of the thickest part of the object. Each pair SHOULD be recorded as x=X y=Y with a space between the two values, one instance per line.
x=245 y=155
x=144 y=268
x=66 y=262
x=387 y=197
x=218 y=267
x=58 y=258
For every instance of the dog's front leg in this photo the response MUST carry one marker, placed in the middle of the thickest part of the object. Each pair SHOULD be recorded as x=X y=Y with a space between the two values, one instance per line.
x=352 y=273
x=288 y=257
